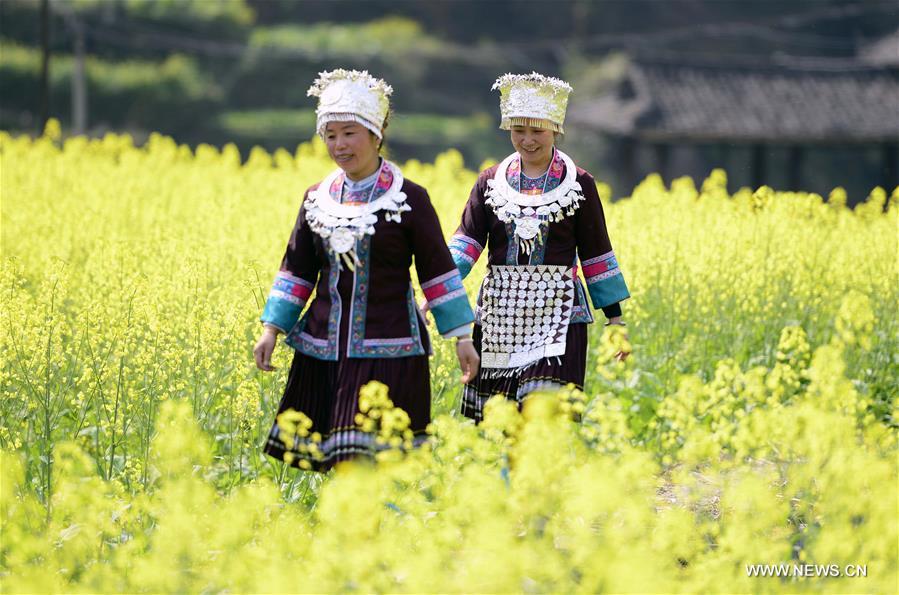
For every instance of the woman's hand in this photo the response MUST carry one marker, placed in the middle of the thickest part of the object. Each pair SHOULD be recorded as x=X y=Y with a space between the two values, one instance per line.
x=622 y=355
x=469 y=361
x=423 y=309
x=262 y=353
x=617 y=321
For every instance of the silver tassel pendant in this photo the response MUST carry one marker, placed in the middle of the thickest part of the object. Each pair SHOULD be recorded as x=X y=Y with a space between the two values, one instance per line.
x=348 y=259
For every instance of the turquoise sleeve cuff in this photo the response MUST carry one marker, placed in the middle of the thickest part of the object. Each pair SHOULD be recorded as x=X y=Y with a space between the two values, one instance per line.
x=608 y=291
x=286 y=300
x=465 y=252
x=462 y=264
x=460 y=331
x=452 y=314
x=281 y=313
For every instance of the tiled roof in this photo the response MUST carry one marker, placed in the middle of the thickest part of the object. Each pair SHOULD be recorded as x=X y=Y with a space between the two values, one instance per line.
x=883 y=52
x=715 y=102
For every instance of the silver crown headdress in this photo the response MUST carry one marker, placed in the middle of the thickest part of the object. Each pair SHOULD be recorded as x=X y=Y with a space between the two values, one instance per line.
x=532 y=100
x=351 y=96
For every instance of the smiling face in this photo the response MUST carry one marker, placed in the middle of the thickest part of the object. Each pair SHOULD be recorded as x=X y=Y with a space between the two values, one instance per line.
x=535 y=145
x=353 y=147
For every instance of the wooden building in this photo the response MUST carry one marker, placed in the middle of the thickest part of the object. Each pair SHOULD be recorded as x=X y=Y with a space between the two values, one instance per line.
x=798 y=126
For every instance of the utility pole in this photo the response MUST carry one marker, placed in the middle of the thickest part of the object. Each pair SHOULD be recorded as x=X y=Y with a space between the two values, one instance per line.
x=79 y=77
x=44 y=107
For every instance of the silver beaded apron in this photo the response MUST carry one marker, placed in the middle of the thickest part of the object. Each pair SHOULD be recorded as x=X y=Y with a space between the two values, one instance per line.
x=525 y=311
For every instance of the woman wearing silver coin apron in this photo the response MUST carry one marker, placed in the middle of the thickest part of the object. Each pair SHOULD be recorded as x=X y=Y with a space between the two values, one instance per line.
x=541 y=219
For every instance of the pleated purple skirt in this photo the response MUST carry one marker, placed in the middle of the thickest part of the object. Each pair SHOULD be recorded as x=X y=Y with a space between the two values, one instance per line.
x=550 y=372
x=328 y=393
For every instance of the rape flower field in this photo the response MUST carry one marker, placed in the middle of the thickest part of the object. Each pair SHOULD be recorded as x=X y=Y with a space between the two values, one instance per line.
x=755 y=423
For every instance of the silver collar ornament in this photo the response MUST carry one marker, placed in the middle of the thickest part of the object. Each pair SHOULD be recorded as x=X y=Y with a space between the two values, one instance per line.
x=340 y=226
x=525 y=212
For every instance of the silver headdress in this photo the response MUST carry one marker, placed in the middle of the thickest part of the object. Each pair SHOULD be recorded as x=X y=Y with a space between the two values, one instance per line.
x=351 y=96
x=532 y=100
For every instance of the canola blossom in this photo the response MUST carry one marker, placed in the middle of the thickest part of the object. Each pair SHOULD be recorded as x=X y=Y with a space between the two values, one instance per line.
x=755 y=422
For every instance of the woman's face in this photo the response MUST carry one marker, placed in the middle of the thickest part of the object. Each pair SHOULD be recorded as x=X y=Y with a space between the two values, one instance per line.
x=535 y=145
x=353 y=148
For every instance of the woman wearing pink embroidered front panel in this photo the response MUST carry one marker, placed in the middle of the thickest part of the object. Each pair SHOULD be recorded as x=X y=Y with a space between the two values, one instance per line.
x=540 y=214
x=355 y=237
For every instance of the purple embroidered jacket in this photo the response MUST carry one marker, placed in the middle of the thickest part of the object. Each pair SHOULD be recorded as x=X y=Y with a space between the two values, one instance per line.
x=370 y=311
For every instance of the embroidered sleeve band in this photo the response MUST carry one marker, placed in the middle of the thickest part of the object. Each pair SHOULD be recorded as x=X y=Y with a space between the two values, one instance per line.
x=604 y=280
x=448 y=301
x=286 y=300
x=465 y=252
x=465 y=329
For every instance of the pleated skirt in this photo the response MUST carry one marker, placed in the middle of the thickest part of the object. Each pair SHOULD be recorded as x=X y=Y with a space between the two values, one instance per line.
x=328 y=393
x=549 y=372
